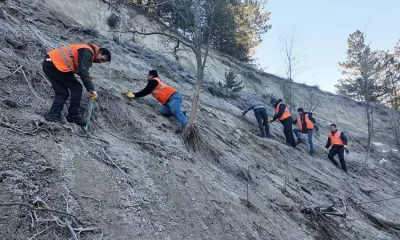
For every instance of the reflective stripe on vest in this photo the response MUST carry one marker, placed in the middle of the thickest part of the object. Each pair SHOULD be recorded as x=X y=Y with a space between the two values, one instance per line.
x=335 y=138
x=65 y=59
x=162 y=92
x=71 y=56
x=155 y=91
x=285 y=114
x=309 y=123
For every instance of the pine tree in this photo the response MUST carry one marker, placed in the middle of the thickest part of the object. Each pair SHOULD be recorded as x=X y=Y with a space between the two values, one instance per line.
x=362 y=69
x=237 y=29
x=390 y=78
x=231 y=83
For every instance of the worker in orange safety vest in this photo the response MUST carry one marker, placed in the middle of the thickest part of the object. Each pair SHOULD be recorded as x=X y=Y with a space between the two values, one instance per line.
x=60 y=66
x=168 y=96
x=307 y=124
x=282 y=113
x=337 y=142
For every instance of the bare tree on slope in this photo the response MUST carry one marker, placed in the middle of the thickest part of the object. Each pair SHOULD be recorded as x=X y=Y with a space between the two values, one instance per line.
x=293 y=59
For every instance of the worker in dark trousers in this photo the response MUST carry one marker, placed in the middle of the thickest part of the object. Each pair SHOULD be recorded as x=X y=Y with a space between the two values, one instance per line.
x=260 y=112
x=338 y=143
x=60 y=66
x=283 y=115
x=307 y=124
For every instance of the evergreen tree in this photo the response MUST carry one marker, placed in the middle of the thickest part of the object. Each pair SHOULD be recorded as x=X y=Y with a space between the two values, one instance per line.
x=362 y=69
x=231 y=83
x=390 y=78
x=237 y=25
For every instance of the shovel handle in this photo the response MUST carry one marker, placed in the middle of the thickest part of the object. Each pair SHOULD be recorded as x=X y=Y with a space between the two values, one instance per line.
x=90 y=111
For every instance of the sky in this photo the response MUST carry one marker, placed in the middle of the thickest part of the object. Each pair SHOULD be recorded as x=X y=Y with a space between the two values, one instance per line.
x=322 y=28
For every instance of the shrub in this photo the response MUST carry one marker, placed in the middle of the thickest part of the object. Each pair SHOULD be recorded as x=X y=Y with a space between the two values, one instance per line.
x=113 y=21
x=231 y=83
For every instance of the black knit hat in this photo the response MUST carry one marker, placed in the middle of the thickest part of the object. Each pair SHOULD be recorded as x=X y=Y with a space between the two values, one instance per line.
x=333 y=125
x=300 y=110
x=153 y=73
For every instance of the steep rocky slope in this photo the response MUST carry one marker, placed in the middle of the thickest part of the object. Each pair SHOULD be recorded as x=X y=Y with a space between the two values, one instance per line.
x=133 y=178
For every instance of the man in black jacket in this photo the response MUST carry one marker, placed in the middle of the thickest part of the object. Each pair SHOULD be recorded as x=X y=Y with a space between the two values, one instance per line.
x=282 y=113
x=338 y=143
x=260 y=112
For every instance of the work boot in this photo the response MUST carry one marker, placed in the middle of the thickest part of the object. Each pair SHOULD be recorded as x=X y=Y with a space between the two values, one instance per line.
x=77 y=120
x=299 y=142
x=53 y=117
x=311 y=153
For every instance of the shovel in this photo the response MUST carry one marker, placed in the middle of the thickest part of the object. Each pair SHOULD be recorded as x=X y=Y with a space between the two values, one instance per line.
x=91 y=106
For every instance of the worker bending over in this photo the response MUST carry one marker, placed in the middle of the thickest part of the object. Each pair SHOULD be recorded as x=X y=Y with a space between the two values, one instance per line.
x=168 y=96
x=282 y=113
x=260 y=112
x=60 y=65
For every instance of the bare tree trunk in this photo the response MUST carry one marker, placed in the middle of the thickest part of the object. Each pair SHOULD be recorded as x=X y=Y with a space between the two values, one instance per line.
x=201 y=62
x=200 y=72
x=369 y=123
x=200 y=68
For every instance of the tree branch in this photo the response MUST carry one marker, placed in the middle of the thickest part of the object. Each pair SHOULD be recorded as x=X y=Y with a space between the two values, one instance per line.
x=30 y=207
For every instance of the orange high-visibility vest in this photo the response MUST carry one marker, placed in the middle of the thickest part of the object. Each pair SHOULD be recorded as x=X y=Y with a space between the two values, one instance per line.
x=335 y=138
x=285 y=115
x=309 y=123
x=162 y=92
x=65 y=58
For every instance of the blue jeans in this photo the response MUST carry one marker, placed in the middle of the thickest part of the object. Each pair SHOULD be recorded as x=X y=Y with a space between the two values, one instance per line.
x=309 y=133
x=173 y=108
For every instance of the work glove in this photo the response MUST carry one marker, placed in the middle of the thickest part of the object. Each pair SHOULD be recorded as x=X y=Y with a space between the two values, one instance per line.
x=346 y=149
x=271 y=120
x=91 y=77
x=93 y=95
x=129 y=95
x=326 y=150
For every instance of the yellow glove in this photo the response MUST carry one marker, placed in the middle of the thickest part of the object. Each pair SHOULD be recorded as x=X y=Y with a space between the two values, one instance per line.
x=129 y=95
x=326 y=150
x=93 y=95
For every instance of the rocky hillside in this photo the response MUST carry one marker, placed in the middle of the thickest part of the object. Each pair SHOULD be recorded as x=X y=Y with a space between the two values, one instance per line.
x=132 y=177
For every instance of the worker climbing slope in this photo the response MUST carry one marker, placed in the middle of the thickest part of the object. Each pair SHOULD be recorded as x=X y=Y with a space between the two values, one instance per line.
x=260 y=112
x=169 y=97
x=60 y=65
x=338 y=143
x=283 y=115
x=307 y=124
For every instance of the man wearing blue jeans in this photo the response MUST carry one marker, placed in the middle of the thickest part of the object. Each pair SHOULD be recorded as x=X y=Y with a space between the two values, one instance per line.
x=168 y=96
x=307 y=124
